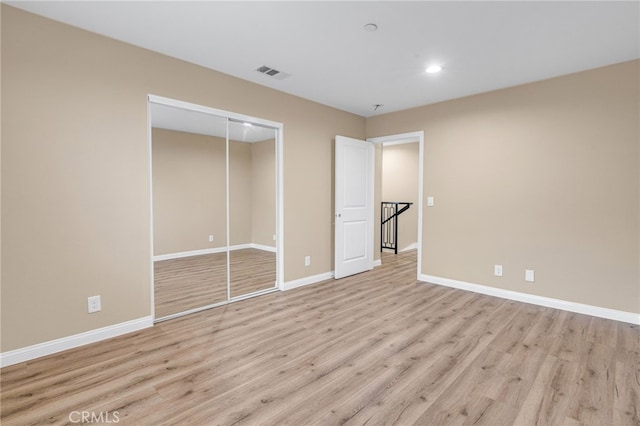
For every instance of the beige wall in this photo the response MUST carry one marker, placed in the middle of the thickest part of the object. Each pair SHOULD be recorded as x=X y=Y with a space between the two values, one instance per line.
x=543 y=176
x=75 y=175
x=400 y=183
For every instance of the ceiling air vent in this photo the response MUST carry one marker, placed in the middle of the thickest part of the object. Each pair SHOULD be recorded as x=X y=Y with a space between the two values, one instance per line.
x=272 y=72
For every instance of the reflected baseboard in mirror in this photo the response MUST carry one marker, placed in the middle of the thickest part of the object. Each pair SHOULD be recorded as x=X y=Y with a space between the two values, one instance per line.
x=192 y=282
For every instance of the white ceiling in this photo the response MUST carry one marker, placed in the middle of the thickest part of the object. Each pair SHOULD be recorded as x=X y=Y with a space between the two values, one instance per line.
x=482 y=46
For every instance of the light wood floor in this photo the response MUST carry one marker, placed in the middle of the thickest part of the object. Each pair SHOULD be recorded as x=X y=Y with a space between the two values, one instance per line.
x=376 y=348
x=196 y=281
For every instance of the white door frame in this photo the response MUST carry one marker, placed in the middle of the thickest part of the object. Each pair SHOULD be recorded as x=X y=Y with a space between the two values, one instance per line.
x=278 y=127
x=406 y=138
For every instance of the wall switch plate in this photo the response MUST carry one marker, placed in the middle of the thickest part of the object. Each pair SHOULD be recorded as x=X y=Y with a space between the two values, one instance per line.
x=497 y=270
x=210 y=238
x=430 y=202
x=529 y=275
x=307 y=261
x=94 y=304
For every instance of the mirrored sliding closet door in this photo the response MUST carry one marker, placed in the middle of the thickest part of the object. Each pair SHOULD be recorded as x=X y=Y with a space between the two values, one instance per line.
x=252 y=208
x=214 y=209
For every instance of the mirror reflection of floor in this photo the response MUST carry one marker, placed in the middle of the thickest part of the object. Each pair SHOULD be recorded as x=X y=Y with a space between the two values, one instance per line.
x=196 y=281
x=251 y=270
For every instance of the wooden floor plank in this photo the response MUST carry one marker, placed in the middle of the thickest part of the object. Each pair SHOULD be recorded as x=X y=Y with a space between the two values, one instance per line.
x=593 y=400
x=551 y=393
x=375 y=348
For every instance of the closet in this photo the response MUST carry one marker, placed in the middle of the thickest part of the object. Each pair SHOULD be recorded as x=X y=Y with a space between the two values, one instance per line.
x=216 y=206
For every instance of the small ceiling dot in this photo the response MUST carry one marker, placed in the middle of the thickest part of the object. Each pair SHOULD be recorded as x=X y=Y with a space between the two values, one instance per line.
x=370 y=27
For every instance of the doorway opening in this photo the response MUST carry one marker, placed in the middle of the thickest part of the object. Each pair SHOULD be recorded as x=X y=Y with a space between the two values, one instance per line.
x=400 y=180
x=399 y=193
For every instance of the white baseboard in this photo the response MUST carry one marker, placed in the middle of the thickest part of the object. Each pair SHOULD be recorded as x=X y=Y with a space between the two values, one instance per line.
x=307 y=280
x=412 y=246
x=189 y=253
x=58 y=345
x=548 y=302
x=317 y=278
x=213 y=250
x=261 y=247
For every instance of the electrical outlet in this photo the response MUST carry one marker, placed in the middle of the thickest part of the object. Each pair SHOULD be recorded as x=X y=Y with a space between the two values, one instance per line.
x=497 y=270
x=307 y=261
x=94 y=304
x=274 y=237
x=210 y=238
x=529 y=275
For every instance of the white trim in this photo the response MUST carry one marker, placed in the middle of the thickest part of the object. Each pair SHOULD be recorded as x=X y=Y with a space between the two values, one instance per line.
x=280 y=207
x=412 y=246
x=263 y=247
x=548 y=302
x=190 y=311
x=213 y=111
x=58 y=345
x=377 y=263
x=252 y=246
x=420 y=198
x=190 y=253
x=253 y=294
x=227 y=202
x=399 y=142
x=152 y=292
x=409 y=138
x=307 y=280
x=213 y=250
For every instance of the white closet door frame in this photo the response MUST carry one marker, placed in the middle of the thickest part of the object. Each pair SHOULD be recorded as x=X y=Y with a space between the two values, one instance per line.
x=278 y=127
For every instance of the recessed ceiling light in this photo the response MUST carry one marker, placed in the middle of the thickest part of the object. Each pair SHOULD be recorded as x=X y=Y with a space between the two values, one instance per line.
x=434 y=69
x=370 y=27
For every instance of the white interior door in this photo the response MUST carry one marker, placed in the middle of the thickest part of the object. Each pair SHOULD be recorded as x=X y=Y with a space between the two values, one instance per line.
x=354 y=206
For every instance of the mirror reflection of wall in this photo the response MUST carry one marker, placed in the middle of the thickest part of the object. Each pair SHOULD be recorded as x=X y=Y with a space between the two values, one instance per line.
x=189 y=209
x=252 y=258
x=189 y=180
